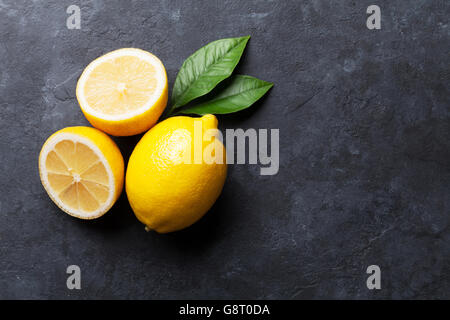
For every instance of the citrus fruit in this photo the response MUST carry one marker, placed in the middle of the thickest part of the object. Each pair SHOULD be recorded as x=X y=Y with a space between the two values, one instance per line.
x=82 y=171
x=176 y=172
x=123 y=92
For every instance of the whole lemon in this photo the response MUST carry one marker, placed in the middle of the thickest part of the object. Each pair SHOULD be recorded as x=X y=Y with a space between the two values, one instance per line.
x=176 y=172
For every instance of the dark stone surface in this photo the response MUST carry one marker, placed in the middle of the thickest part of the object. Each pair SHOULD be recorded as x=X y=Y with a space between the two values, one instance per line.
x=364 y=144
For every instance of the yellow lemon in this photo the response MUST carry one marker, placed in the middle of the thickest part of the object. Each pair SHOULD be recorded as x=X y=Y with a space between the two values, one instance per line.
x=123 y=92
x=82 y=171
x=176 y=172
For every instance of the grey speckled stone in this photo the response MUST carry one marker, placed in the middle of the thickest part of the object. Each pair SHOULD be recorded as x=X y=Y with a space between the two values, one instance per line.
x=364 y=144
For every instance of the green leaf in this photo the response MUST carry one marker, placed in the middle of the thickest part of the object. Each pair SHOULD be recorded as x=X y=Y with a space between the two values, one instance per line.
x=204 y=69
x=240 y=93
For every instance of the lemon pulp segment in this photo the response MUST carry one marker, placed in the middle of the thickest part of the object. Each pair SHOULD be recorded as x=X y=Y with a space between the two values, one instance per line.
x=120 y=85
x=77 y=176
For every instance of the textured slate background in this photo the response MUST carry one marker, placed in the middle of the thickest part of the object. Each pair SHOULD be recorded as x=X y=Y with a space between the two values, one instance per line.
x=364 y=144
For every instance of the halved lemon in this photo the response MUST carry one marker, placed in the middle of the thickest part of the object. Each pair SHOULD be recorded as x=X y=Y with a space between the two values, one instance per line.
x=82 y=170
x=124 y=92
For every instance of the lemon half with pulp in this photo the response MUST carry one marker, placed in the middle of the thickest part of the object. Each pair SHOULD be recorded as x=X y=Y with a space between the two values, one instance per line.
x=123 y=92
x=82 y=170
